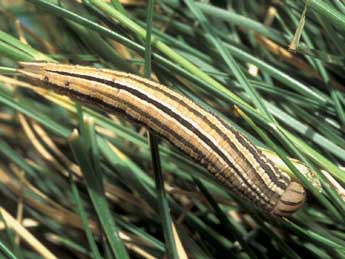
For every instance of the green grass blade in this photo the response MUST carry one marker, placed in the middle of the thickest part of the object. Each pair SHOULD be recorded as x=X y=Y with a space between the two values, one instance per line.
x=98 y=199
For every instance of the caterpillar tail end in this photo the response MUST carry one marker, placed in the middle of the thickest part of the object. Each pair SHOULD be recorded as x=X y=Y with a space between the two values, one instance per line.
x=291 y=200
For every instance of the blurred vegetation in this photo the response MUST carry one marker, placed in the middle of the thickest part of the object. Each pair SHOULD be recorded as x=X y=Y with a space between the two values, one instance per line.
x=272 y=69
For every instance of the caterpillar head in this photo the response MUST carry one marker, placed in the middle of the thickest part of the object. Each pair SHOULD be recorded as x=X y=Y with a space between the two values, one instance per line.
x=290 y=201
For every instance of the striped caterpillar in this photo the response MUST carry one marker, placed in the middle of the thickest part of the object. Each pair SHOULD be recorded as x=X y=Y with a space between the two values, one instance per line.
x=226 y=153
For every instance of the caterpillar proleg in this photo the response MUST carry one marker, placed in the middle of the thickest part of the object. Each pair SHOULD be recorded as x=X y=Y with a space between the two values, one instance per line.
x=226 y=153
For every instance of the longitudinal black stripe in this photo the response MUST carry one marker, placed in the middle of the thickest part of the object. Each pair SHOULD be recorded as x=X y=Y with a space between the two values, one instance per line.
x=171 y=113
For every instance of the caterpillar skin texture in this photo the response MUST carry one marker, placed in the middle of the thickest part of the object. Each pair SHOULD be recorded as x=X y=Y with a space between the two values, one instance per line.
x=226 y=153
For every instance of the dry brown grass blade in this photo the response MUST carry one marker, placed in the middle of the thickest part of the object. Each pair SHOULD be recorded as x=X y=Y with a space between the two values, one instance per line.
x=65 y=216
x=291 y=59
x=30 y=239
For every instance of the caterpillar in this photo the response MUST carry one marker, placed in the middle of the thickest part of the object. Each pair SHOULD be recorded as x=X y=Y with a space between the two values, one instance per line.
x=226 y=153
